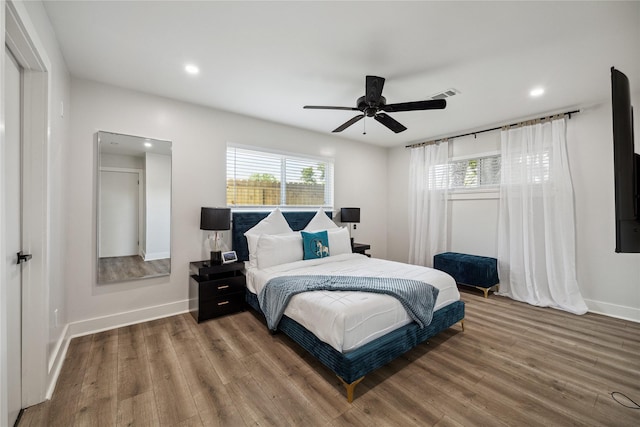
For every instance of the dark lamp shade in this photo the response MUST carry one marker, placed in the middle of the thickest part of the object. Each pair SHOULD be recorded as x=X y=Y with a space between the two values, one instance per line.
x=215 y=219
x=350 y=215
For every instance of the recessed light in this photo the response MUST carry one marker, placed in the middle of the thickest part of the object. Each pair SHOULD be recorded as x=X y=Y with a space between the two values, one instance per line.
x=191 y=69
x=536 y=92
x=148 y=144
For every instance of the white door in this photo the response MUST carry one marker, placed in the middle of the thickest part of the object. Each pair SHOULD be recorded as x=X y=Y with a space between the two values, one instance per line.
x=118 y=214
x=13 y=215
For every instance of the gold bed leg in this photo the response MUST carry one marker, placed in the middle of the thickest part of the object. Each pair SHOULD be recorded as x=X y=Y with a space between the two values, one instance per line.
x=350 y=387
x=462 y=324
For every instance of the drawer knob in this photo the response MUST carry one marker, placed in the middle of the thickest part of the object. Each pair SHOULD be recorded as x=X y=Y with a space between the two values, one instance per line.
x=223 y=303
x=223 y=286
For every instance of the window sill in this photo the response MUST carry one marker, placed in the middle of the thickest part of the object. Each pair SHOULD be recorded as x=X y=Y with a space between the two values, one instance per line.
x=475 y=194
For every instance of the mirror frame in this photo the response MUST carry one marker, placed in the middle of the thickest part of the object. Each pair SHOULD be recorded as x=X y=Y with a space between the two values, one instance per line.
x=131 y=264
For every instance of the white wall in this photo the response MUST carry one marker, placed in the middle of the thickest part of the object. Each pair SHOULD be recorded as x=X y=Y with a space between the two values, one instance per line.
x=609 y=282
x=473 y=216
x=199 y=137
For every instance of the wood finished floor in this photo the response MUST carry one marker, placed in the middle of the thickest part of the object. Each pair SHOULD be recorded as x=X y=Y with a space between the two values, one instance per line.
x=514 y=365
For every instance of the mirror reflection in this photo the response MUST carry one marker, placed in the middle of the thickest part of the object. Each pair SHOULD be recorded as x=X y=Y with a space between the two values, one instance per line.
x=134 y=207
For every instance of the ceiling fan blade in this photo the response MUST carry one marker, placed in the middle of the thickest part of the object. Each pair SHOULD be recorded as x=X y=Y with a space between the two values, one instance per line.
x=348 y=123
x=432 y=104
x=325 y=107
x=389 y=122
x=373 y=90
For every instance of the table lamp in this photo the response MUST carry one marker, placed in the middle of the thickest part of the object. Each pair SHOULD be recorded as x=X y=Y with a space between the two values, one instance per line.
x=215 y=219
x=350 y=216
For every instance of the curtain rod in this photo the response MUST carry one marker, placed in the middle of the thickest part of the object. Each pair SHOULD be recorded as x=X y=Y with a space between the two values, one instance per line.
x=420 y=144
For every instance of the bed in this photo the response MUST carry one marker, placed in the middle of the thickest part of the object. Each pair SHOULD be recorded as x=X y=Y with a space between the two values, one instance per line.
x=374 y=330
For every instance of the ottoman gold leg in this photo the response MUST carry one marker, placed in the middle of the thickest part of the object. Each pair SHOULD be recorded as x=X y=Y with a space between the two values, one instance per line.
x=485 y=290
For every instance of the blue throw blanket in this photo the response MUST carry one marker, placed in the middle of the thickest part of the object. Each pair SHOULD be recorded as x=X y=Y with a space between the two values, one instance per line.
x=418 y=298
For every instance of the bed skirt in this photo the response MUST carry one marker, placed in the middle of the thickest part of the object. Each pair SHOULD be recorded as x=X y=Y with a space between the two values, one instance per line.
x=355 y=364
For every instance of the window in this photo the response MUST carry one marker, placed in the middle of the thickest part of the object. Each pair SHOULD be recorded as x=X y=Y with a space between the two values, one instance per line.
x=263 y=178
x=474 y=172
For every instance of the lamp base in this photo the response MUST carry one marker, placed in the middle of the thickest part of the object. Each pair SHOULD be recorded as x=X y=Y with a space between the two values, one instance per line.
x=216 y=258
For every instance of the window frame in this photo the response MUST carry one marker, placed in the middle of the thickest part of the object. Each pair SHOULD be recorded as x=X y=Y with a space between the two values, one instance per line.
x=490 y=191
x=476 y=156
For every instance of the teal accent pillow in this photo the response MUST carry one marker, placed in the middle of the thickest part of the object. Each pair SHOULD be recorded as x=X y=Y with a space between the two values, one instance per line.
x=315 y=245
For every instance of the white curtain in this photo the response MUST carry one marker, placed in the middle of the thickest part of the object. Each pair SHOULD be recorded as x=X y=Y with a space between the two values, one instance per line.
x=536 y=234
x=428 y=189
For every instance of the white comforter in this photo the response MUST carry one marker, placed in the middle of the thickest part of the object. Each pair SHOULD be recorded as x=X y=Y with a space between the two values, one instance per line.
x=348 y=320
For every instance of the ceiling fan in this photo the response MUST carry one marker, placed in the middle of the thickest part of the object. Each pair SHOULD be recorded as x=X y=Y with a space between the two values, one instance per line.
x=373 y=104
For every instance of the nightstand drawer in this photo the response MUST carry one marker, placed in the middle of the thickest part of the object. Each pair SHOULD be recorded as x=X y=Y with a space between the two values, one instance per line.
x=221 y=305
x=219 y=287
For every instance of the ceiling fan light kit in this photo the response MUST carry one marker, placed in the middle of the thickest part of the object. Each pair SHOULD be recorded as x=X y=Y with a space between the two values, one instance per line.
x=373 y=104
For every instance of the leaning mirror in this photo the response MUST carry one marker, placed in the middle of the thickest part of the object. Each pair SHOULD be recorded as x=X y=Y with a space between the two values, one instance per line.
x=134 y=207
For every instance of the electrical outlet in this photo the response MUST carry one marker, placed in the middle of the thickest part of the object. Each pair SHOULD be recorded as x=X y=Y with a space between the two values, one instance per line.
x=355 y=226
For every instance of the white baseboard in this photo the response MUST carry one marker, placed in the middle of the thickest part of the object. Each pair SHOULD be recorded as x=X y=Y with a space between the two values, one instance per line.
x=112 y=321
x=105 y=323
x=56 y=360
x=613 y=310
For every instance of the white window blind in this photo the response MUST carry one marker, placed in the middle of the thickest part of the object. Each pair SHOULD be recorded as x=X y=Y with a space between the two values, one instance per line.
x=262 y=178
x=474 y=173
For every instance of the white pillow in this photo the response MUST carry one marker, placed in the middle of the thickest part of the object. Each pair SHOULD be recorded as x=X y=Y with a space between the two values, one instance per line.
x=320 y=222
x=278 y=249
x=274 y=223
x=339 y=241
x=252 y=244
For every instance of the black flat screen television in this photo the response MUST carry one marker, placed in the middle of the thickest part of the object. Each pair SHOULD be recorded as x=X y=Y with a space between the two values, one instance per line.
x=626 y=163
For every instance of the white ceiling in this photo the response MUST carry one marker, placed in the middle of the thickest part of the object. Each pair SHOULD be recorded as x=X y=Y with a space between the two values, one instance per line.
x=267 y=59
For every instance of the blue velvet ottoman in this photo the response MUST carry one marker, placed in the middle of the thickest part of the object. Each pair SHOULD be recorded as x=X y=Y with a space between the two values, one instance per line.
x=470 y=270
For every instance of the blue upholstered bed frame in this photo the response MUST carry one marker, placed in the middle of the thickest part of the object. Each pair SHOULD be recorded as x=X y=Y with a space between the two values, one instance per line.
x=350 y=367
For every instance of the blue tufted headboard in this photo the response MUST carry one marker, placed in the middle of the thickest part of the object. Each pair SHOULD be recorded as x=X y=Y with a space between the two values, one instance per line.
x=243 y=221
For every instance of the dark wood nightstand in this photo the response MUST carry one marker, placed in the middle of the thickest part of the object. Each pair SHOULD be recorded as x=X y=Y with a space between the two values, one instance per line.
x=361 y=248
x=215 y=290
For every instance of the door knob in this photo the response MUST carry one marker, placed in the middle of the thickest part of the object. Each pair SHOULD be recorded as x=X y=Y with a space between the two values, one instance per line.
x=23 y=257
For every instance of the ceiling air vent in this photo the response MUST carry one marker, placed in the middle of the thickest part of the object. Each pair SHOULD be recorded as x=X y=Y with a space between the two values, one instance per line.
x=446 y=94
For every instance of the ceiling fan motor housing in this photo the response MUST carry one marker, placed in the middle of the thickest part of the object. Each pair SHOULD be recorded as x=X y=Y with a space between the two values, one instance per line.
x=370 y=110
